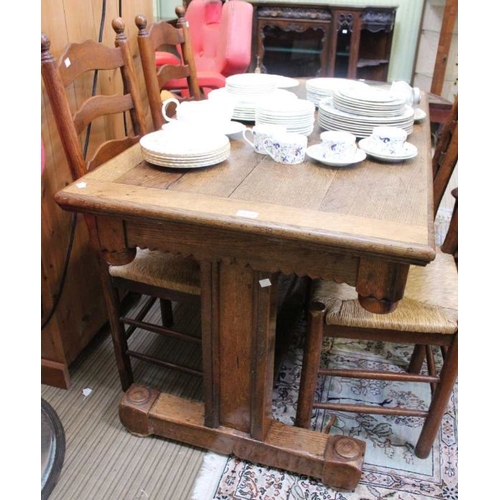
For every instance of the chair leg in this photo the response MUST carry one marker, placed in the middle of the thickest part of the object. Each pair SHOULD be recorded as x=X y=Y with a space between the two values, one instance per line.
x=431 y=366
x=417 y=359
x=310 y=364
x=167 y=315
x=118 y=335
x=439 y=401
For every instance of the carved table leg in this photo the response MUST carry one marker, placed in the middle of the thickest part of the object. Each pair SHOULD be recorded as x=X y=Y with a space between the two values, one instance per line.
x=380 y=284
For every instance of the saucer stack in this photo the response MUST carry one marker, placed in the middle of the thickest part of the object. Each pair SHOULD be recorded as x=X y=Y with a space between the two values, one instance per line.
x=246 y=104
x=178 y=148
x=371 y=101
x=358 y=110
x=319 y=88
x=296 y=114
x=248 y=89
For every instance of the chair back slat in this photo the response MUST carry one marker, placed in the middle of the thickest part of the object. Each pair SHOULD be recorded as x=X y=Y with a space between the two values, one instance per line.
x=79 y=58
x=170 y=72
x=110 y=149
x=100 y=105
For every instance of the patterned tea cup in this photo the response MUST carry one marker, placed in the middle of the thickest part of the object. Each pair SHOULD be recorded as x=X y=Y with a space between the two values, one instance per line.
x=289 y=148
x=389 y=140
x=338 y=145
x=259 y=133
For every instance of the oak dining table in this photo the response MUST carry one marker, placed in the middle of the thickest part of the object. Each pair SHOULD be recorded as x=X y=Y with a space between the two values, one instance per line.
x=248 y=220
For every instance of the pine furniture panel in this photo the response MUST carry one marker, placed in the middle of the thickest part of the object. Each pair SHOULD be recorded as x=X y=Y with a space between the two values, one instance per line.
x=81 y=311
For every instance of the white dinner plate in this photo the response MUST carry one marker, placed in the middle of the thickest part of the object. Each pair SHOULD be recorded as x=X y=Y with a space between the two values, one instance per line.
x=231 y=128
x=409 y=152
x=285 y=82
x=180 y=140
x=420 y=114
x=314 y=152
x=187 y=164
x=234 y=128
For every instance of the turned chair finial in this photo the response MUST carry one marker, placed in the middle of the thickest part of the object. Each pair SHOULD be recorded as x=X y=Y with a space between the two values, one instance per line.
x=119 y=26
x=141 y=22
x=45 y=42
x=180 y=12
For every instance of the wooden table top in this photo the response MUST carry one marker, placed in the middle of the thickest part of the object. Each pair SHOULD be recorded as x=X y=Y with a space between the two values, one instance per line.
x=372 y=207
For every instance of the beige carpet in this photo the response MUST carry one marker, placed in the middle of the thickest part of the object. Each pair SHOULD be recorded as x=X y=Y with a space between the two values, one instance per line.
x=105 y=462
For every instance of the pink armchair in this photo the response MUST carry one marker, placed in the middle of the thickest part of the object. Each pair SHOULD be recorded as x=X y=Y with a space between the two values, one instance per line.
x=221 y=35
x=221 y=39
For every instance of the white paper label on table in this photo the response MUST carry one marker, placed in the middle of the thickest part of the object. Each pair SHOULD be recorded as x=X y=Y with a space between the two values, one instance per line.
x=265 y=282
x=247 y=213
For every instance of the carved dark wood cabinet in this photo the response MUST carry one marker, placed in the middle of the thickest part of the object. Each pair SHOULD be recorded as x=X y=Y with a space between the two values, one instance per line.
x=323 y=40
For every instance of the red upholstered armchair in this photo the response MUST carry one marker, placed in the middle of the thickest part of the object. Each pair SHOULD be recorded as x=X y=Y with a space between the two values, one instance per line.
x=221 y=39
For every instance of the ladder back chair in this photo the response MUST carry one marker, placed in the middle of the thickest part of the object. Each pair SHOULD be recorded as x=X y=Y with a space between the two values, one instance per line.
x=155 y=274
x=426 y=317
x=163 y=36
x=445 y=156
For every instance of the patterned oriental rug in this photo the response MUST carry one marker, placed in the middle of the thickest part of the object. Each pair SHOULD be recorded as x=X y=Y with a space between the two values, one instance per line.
x=390 y=471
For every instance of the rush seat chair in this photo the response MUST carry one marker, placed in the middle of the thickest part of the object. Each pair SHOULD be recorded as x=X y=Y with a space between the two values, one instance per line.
x=162 y=35
x=153 y=274
x=426 y=317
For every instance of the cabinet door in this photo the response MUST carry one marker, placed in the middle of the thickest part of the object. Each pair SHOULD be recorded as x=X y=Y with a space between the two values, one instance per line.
x=345 y=43
x=293 y=49
x=292 y=40
x=377 y=26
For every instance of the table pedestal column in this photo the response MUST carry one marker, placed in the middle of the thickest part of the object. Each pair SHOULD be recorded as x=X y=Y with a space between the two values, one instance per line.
x=238 y=330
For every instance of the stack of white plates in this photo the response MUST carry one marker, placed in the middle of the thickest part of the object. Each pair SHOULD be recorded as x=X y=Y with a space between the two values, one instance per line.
x=252 y=84
x=319 y=88
x=368 y=101
x=284 y=82
x=246 y=104
x=296 y=114
x=361 y=125
x=185 y=147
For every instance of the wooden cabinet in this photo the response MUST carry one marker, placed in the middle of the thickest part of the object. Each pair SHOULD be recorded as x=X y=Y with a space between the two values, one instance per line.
x=317 y=40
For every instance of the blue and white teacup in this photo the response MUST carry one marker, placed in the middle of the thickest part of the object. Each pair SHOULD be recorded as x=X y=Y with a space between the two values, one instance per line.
x=389 y=140
x=337 y=145
x=289 y=148
x=256 y=135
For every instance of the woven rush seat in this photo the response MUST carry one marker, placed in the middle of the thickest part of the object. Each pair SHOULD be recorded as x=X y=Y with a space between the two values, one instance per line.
x=426 y=317
x=425 y=321
x=430 y=303
x=162 y=270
